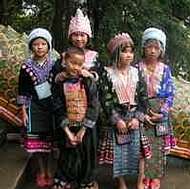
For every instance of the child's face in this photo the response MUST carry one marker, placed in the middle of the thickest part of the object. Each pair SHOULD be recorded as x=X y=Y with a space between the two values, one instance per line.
x=152 y=50
x=79 y=39
x=74 y=64
x=126 y=56
x=40 y=48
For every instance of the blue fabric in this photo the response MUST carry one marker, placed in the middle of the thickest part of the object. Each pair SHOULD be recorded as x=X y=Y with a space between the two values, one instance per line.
x=167 y=88
x=127 y=156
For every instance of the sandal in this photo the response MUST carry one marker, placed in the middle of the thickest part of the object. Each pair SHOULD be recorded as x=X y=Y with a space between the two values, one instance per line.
x=59 y=184
x=96 y=186
x=155 y=184
x=146 y=183
x=91 y=185
x=41 y=181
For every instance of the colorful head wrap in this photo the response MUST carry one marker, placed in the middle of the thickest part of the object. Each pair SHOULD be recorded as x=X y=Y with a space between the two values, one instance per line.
x=154 y=33
x=80 y=23
x=40 y=33
x=119 y=39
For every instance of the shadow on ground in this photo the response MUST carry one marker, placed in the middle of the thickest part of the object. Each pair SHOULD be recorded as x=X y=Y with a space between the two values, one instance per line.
x=17 y=173
x=177 y=176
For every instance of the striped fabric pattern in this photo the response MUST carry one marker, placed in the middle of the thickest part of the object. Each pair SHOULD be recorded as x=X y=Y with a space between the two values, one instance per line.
x=124 y=84
x=126 y=157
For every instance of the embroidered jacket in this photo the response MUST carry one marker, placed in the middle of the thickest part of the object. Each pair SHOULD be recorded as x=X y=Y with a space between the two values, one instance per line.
x=110 y=101
x=32 y=74
x=160 y=84
x=61 y=105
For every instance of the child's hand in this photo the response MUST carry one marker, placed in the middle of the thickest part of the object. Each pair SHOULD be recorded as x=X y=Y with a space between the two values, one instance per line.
x=86 y=73
x=122 y=127
x=80 y=134
x=147 y=118
x=73 y=139
x=133 y=124
x=60 y=77
x=24 y=116
x=155 y=116
x=71 y=136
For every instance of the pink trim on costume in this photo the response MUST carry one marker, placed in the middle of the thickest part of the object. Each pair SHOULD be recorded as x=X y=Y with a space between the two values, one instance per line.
x=32 y=145
x=153 y=79
x=90 y=58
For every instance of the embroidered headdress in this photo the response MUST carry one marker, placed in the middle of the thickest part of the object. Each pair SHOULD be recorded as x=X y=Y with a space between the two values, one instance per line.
x=40 y=33
x=80 y=23
x=119 y=39
x=154 y=33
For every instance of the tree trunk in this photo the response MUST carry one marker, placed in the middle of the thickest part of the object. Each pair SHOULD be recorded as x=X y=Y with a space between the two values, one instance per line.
x=93 y=12
x=57 y=25
x=4 y=12
x=63 y=11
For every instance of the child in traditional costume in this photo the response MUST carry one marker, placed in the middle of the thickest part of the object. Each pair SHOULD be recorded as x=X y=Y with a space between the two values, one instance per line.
x=122 y=94
x=160 y=92
x=35 y=101
x=79 y=34
x=76 y=110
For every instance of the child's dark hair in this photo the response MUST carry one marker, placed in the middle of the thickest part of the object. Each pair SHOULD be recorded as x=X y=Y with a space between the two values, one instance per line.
x=74 y=50
x=115 y=56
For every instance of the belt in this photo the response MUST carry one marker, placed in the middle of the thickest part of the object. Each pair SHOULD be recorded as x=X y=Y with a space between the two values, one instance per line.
x=128 y=107
x=75 y=124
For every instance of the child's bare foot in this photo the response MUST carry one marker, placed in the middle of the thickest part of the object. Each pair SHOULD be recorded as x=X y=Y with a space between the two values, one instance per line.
x=96 y=186
x=121 y=183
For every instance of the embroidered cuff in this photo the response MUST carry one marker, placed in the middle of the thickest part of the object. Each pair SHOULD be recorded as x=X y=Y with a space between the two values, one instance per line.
x=165 y=109
x=115 y=117
x=89 y=123
x=95 y=75
x=64 y=123
x=140 y=116
x=24 y=100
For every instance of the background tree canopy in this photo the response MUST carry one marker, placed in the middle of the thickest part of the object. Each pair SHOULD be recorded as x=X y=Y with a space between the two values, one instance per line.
x=108 y=18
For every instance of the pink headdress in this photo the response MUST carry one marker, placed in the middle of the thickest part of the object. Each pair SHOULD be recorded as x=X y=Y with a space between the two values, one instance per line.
x=80 y=23
x=119 y=39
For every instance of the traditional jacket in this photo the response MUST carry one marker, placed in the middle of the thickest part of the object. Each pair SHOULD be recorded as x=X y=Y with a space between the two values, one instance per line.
x=110 y=101
x=160 y=84
x=32 y=74
x=61 y=97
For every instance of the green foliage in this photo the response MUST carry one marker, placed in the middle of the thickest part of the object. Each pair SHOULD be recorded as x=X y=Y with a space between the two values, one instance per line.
x=135 y=16
x=111 y=17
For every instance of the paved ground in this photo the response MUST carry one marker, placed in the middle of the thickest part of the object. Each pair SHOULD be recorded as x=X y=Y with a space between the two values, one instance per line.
x=177 y=177
x=13 y=160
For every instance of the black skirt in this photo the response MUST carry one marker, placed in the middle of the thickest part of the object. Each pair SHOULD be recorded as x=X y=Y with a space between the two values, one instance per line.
x=78 y=164
x=38 y=134
x=40 y=118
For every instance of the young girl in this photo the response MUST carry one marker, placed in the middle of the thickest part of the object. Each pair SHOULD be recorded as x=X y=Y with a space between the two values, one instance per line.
x=122 y=95
x=35 y=101
x=76 y=110
x=79 y=35
x=160 y=87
